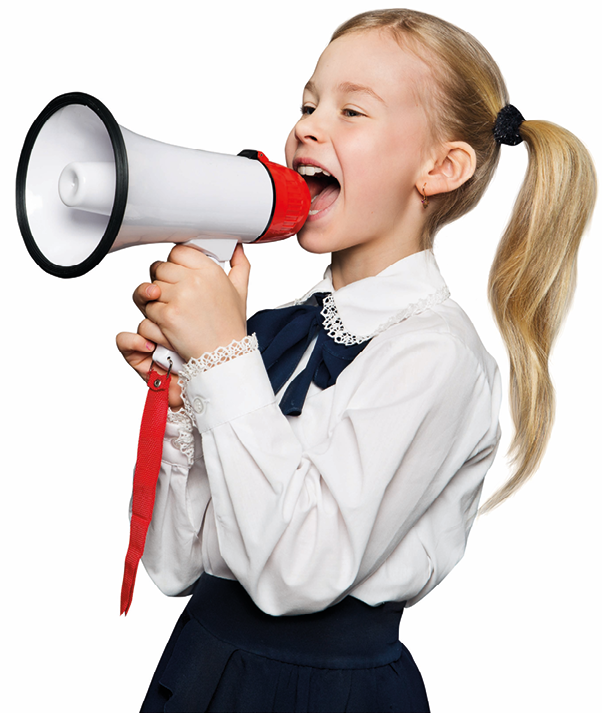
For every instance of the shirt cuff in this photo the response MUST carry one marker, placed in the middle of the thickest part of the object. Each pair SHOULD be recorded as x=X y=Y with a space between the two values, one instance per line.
x=228 y=391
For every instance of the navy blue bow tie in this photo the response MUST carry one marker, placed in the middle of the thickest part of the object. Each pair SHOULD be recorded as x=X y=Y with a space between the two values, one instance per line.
x=284 y=335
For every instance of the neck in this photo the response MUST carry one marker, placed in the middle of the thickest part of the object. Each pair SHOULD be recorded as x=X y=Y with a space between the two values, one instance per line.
x=366 y=260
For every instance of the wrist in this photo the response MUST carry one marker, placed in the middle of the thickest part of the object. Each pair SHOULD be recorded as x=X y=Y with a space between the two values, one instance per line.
x=199 y=349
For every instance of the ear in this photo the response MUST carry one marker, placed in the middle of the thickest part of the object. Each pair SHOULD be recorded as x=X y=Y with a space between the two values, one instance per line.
x=455 y=164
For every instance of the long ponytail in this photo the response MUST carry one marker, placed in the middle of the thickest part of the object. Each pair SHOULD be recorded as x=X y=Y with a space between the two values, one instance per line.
x=532 y=281
x=533 y=275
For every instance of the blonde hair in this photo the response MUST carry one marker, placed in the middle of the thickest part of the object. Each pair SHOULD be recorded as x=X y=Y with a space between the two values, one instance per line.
x=533 y=274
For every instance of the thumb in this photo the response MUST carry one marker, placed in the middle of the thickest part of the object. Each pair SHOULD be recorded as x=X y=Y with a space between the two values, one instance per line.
x=239 y=272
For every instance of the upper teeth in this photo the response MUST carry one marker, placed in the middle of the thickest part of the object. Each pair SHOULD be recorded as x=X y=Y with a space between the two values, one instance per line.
x=306 y=170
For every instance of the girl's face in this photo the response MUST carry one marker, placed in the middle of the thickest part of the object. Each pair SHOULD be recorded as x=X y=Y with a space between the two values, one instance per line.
x=363 y=123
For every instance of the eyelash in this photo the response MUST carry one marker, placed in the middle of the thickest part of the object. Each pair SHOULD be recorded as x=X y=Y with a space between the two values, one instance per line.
x=307 y=110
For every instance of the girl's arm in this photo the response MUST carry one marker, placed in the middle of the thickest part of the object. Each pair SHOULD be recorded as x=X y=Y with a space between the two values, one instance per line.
x=307 y=510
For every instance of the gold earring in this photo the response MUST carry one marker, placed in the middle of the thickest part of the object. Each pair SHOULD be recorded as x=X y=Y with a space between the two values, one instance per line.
x=425 y=200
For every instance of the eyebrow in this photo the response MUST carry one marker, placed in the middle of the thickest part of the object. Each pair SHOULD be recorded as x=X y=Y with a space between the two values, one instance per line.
x=349 y=88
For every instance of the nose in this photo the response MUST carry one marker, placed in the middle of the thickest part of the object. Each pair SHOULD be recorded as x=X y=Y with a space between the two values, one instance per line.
x=309 y=128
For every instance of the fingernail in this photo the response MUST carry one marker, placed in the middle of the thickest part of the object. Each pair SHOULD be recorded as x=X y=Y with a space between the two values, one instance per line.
x=149 y=290
x=150 y=346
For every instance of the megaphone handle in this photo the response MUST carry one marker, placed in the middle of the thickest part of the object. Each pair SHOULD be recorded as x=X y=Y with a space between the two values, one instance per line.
x=220 y=250
x=162 y=357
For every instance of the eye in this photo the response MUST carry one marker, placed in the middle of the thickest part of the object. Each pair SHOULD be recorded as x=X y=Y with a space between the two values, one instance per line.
x=306 y=110
x=351 y=113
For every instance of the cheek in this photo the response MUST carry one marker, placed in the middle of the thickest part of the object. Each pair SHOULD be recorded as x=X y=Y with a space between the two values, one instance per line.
x=373 y=177
x=387 y=172
x=289 y=148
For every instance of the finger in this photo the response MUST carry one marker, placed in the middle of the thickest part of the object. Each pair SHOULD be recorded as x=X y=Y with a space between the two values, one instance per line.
x=151 y=332
x=145 y=293
x=129 y=342
x=158 y=312
x=153 y=312
x=165 y=272
x=188 y=256
x=137 y=351
x=240 y=271
x=153 y=268
x=240 y=259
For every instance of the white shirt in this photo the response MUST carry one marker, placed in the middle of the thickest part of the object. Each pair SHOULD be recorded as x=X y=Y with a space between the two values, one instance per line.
x=371 y=491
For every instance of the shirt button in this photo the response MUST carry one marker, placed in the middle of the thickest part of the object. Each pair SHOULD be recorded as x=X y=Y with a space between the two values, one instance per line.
x=198 y=405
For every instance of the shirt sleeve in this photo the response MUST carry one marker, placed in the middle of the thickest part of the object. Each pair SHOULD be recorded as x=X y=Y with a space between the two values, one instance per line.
x=302 y=519
x=173 y=552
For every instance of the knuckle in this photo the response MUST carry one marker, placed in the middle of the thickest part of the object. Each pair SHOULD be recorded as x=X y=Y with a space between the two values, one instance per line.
x=170 y=313
x=175 y=251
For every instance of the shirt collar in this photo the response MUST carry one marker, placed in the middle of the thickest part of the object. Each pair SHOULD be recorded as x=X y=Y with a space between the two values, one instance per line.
x=364 y=308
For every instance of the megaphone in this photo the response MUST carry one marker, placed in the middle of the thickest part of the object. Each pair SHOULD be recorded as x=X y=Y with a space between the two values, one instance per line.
x=87 y=187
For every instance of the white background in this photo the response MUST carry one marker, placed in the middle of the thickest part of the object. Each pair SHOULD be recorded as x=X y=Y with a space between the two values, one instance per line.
x=515 y=626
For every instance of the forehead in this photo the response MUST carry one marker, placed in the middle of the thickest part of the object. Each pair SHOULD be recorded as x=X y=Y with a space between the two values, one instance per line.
x=373 y=59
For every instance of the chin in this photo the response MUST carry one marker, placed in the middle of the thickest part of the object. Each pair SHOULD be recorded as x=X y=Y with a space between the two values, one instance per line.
x=312 y=243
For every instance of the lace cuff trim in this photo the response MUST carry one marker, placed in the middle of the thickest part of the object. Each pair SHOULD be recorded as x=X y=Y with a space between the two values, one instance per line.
x=335 y=329
x=221 y=355
x=185 y=439
x=184 y=418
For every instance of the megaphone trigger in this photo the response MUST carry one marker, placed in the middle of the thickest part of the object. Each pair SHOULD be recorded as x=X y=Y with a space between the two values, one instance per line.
x=219 y=250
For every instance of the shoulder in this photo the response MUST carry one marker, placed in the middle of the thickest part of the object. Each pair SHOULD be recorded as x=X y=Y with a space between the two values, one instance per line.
x=425 y=382
x=442 y=336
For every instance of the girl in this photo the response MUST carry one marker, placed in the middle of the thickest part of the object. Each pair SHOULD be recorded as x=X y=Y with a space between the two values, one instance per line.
x=323 y=464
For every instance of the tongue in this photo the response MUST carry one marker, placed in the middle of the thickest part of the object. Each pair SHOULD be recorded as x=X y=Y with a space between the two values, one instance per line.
x=326 y=198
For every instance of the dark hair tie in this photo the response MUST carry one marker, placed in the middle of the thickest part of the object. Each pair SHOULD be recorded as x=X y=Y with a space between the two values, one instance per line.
x=507 y=124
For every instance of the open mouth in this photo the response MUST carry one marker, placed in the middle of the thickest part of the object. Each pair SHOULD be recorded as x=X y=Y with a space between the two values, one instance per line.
x=324 y=189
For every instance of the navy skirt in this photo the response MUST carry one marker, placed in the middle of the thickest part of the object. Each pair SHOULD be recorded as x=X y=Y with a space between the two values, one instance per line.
x=225 y=654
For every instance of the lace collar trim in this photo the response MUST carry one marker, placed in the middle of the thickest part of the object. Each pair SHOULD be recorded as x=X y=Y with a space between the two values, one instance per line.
x=335 y=329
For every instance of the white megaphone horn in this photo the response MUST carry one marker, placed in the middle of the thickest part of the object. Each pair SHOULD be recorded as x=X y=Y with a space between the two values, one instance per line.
x=87 y=187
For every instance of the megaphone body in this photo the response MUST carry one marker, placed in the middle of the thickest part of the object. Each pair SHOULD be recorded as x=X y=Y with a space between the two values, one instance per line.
x=87 y=187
